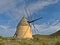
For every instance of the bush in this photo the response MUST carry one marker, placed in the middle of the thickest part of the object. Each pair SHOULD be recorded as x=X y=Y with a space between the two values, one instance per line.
x=2 y=43
x=0 y=36
x=58 y=43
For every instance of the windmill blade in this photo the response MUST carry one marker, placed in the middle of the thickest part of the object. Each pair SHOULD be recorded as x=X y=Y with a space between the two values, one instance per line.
x=31 y=19
x=33 y=27
x=15 y=34
x=25 y=9
x=26 y=12
x=30 y=14
x=34 y=20
x=36 y=30
x=28 y=18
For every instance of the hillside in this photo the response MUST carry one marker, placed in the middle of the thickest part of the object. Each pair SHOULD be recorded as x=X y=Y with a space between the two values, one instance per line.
x=37 y=40
x=56 y=33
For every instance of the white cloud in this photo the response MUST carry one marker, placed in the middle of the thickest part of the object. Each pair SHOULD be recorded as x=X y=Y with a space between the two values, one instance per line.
x=4 y=27
x=5 y=5
x=11 y=8
x=41 y=4
x=6 y=30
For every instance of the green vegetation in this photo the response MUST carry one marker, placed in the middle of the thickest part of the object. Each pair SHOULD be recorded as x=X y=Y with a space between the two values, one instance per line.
x=37 y=40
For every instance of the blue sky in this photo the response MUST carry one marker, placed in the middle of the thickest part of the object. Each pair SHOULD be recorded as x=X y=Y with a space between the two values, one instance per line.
x=11 y=12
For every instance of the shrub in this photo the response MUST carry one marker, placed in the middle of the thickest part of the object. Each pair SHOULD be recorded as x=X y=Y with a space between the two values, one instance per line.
x=2 y=43
x=58 y=43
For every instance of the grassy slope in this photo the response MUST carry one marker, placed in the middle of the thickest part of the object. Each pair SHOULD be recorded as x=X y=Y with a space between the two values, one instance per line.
x=56 y=33
x=38 y=40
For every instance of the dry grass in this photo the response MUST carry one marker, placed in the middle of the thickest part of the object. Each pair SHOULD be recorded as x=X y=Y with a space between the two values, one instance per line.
x=38 y=40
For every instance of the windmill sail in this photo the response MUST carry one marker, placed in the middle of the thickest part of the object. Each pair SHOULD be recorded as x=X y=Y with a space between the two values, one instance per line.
x=34 y=20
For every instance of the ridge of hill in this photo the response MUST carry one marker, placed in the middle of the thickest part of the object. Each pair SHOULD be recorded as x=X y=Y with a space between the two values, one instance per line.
x=56 y=33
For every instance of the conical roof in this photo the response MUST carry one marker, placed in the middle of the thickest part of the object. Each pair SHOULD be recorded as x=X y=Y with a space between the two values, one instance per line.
x=23 y=22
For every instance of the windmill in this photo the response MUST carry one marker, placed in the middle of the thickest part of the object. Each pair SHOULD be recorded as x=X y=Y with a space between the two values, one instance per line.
x=24 y=30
